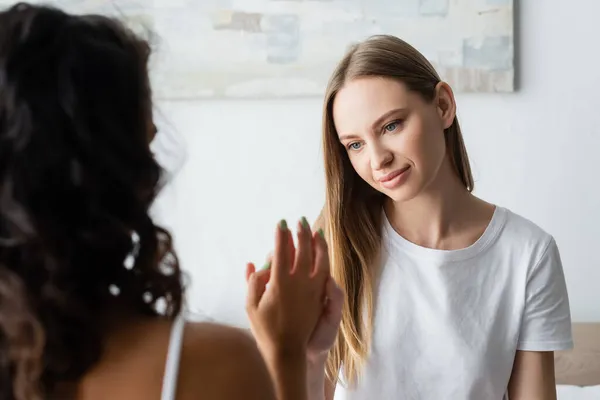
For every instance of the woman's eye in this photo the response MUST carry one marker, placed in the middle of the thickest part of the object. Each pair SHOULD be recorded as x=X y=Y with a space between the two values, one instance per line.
x=391 y=126
x=354 y=146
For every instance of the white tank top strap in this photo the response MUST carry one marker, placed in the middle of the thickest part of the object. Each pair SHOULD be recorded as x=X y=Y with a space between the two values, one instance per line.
x=169 y=386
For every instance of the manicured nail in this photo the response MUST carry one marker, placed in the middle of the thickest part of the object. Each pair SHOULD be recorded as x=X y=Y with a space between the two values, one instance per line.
x=283 y=224
x=322 y=233
x=267 y=265
x=305 y=223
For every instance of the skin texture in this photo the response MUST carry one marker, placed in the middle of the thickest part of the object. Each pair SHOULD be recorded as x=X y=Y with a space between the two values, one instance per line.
x=212 y=356
x=533 y=376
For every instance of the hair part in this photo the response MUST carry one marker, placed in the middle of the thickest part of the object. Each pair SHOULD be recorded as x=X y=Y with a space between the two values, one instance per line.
x=353 y=208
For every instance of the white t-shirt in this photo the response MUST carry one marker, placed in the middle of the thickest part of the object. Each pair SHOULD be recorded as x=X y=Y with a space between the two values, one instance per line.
x=447 y=323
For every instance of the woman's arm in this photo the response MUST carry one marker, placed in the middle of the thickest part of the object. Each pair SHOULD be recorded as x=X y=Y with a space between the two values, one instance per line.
x=532 y=376
x=284 y=314
x=288 y=372
x=329 y=389
x=319 y=386
x=545 y=328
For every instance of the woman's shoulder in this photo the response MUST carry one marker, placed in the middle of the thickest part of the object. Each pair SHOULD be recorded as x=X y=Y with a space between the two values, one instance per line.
x=522 y=228
x=215 y=355
x=212 y=356
x=519 y=234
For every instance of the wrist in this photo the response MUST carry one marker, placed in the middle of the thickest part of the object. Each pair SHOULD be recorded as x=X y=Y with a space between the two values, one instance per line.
x=315 y=375
x=288 y=369
x=285 y=361
x=285 y=356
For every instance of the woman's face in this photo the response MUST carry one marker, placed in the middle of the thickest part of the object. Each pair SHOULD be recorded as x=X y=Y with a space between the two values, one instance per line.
x=393 y=137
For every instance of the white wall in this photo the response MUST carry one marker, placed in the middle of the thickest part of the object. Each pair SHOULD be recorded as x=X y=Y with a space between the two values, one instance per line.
x=537 y=151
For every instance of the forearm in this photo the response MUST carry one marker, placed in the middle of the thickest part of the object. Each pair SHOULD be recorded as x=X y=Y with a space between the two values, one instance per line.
x=289 y=375
x=315 y=375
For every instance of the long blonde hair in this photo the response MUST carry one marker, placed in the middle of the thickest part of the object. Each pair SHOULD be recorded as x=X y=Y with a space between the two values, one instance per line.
x=352 y=213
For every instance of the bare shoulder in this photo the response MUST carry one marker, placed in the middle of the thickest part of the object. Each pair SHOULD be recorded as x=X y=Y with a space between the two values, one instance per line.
x=222 y=362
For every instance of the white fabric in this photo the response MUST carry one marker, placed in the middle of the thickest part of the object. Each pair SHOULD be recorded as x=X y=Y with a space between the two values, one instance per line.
x=448 y=323
x=169 y=386
x=567 y=392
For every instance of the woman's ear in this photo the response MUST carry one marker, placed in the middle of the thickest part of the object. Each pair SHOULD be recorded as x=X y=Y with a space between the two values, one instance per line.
x=445 y=104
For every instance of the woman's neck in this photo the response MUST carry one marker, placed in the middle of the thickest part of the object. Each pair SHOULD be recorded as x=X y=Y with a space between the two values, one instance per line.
x=445 y=215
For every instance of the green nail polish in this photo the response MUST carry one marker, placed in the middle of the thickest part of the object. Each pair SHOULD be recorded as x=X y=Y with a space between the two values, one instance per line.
x=283 y=224
x=267 y=265
x=322 y=233
x=305 y=223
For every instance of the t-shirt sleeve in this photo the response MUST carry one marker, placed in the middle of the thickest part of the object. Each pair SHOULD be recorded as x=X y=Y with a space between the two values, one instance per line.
x=546 y=324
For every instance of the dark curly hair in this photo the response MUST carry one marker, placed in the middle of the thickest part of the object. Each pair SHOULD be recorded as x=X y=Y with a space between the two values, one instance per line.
x=77 y=179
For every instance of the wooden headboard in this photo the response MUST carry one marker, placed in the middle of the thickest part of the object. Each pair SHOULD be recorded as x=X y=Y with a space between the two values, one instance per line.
x=580 y=366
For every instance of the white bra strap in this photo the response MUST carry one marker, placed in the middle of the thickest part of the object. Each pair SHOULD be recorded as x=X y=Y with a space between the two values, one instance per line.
x=169 y=386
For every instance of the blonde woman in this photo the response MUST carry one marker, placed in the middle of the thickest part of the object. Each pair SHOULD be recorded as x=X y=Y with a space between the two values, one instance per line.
x=447 y=295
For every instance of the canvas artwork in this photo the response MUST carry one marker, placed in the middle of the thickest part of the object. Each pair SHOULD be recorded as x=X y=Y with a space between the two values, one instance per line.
x=288 y=48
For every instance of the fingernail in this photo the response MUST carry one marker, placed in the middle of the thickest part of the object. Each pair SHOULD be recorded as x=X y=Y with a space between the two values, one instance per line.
x=283 y=224
x=267 y=265
x=322 y=233
x=305 y=223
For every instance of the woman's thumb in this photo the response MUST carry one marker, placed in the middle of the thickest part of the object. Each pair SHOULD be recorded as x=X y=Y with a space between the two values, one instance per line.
x=256 y=289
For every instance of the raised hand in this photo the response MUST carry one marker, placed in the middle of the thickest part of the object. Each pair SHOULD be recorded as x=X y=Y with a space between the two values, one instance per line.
x=284 y=316
x=325 y=332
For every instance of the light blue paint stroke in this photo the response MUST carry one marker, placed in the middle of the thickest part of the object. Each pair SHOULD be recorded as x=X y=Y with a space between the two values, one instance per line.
x=493 y=53
x=392 y=8
x=282 y=38
x=434 y=7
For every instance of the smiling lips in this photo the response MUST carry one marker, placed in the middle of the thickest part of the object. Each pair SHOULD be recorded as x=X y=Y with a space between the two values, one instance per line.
x=394 y=178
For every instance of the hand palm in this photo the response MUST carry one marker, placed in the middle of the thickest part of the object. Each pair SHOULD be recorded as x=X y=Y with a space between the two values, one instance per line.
x=325 y=333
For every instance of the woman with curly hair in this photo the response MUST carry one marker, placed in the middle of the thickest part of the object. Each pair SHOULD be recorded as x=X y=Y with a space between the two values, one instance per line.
x=90 y=288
